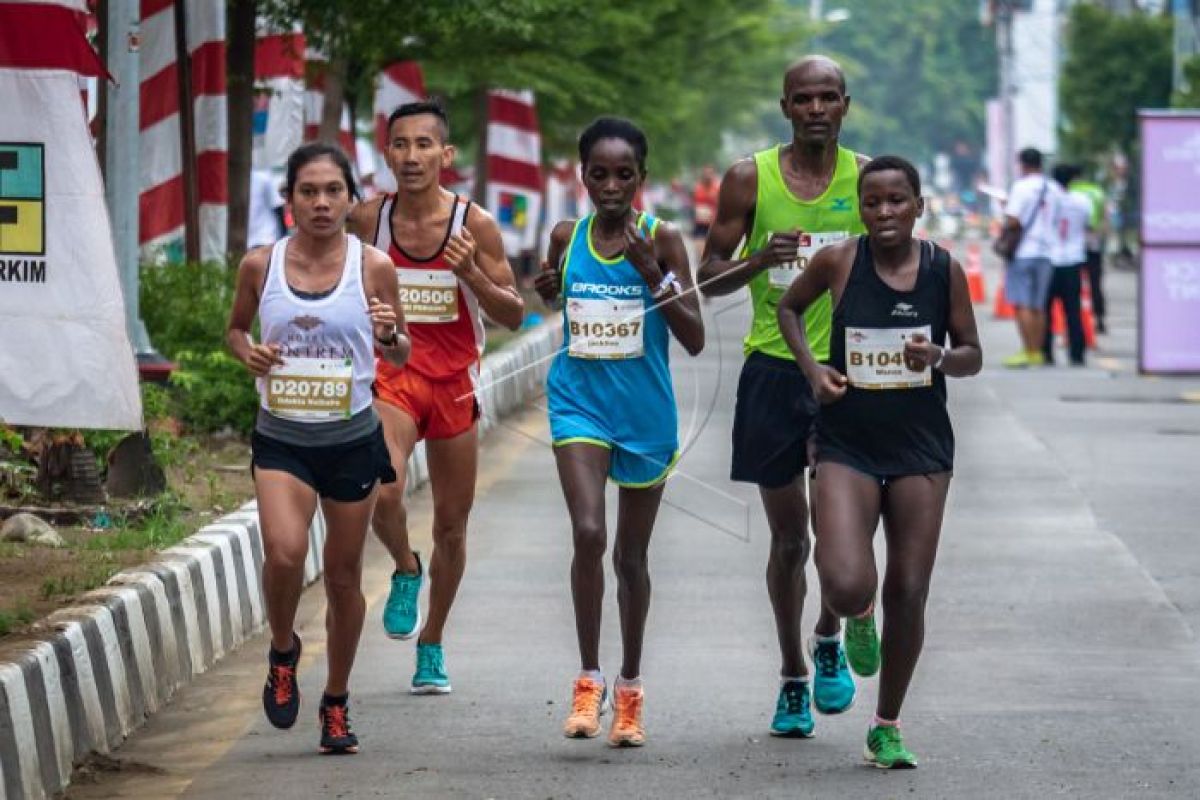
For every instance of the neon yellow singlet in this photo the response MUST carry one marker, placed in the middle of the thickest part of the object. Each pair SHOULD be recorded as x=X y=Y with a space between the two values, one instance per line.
x=834 y=214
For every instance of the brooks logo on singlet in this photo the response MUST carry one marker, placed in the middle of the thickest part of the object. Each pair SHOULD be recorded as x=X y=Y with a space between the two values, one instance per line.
x=607 y=290
x=904 y=310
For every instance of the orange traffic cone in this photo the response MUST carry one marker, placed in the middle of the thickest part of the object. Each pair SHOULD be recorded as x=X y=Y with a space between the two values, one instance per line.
x=1085 y=311
x=974 y=270
x=1058 y=319
x=1002 y=309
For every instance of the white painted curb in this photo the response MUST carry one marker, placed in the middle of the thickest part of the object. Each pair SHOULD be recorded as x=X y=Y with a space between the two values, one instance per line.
x=98 y=669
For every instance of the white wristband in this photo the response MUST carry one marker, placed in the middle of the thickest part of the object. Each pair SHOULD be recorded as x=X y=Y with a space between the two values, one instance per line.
x=941 y=357
x=666 y=284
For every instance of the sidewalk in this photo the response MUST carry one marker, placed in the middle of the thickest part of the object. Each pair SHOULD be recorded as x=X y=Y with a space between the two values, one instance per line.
x=1057 y=662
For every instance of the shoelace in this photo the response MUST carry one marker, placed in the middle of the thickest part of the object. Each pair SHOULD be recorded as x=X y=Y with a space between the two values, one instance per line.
x=337 y=721
x=587 y=698
x=629 y=707
x=281 y=683
x=405 y=600
x=828 y=660
x=431 y=660
x=795 y=697
x=889 y=736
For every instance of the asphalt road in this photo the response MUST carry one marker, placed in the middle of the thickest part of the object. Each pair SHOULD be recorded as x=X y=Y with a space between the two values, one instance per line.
x=1060 y=655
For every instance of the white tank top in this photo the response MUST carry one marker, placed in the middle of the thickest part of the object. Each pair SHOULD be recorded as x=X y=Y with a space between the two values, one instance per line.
x=327 y=344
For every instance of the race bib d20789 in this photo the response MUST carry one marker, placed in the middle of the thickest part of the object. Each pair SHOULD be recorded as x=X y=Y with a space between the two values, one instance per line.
x=428 y=295
x=875 y=358
x=782 y=275
x=604 y=328
x=310 y=389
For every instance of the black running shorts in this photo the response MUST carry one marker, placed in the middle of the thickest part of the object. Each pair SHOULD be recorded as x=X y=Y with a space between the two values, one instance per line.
x=772 y=422
x=344 y=472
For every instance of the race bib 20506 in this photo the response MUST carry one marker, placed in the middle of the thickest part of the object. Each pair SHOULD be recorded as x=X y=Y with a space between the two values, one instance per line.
x=428 y=295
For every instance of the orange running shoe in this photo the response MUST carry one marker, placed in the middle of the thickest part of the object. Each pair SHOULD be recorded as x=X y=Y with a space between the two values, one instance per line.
x=627 y=728
x=590 y=702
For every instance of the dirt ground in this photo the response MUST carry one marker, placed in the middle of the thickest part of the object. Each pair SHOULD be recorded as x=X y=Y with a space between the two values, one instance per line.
x=213 y=479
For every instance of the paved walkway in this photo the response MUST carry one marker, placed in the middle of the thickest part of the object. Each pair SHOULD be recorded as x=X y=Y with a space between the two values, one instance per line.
x=1059 y=657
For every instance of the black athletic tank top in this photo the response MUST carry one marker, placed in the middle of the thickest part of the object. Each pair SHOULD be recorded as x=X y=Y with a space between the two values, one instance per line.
x=891 y=421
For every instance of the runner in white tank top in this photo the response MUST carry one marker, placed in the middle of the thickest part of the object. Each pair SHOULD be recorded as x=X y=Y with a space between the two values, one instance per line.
x=325 y=302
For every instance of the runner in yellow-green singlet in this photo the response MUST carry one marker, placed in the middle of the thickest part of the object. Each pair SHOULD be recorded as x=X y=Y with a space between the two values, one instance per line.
x=788 y=202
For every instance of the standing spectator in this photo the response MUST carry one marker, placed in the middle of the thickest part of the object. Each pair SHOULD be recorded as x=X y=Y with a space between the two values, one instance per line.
x=1095 y=242
x=704 y=202
x=266 y=210
x=1068 y=256
x=1030 y=216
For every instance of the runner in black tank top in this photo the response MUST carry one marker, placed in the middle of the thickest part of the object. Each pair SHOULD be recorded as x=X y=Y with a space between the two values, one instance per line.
x=889 y=433
x=885 y=447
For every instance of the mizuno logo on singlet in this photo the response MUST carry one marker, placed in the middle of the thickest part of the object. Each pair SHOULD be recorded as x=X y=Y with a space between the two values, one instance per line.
x=904 y=310
x=608 y=290
x=840 y=204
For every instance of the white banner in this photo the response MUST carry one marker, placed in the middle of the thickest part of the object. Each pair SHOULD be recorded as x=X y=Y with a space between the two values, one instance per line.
x=65 y=356
x=517 y=210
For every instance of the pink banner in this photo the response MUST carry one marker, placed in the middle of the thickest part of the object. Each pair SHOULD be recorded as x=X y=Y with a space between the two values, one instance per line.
x=1170 y=175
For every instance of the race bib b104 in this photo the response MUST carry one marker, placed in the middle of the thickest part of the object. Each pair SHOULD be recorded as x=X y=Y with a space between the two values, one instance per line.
x=875 y=358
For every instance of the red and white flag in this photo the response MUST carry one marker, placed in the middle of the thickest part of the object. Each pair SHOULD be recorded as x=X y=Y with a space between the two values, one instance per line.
x=67 y=361
x=279 y=96
x=161 y=202
x=399 y=82
x=514 y=172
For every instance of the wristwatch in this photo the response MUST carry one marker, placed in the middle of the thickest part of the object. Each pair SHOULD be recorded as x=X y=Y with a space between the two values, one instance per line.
x=668 y=283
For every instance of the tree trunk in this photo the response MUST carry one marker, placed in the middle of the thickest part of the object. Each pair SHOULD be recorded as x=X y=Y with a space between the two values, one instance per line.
x=239 y=70
x=187 y=137
x=335 y=93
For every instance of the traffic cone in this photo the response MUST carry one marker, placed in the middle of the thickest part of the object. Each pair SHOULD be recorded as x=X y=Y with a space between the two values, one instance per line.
x=1058 y=319
x=1002 y=309
x=974 y=270
x=1085 y=312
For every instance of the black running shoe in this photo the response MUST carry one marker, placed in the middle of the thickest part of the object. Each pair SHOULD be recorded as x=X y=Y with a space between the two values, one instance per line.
x=336 y=736
x=281 y=695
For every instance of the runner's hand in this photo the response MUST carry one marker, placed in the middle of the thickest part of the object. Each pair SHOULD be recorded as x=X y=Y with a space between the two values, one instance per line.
x=548 y=282
x=828 y=385
x=920 y=353
x=261 y=357
x=783 y=248
x=383 y=318
x=460 y=252
x=640 y=252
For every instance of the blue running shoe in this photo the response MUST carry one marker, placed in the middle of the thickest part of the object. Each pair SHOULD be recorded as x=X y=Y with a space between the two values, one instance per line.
x=430 y=677
x=402 y=611
x=793 y=719
x=833 y=686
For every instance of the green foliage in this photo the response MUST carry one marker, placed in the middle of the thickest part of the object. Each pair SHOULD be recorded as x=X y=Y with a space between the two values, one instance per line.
x=1190 y=98
x=918 y=75
x=186 y=306
x=686 y=71
x=157 y=405
x=217 y=392
x=11 y=619
x=162 y=527
x=1115 y=65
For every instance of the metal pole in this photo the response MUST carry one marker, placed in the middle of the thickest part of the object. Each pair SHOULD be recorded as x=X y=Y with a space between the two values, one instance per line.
x=1185 y=40
x=187 y=137
x=1008 y=89
x=121 y=142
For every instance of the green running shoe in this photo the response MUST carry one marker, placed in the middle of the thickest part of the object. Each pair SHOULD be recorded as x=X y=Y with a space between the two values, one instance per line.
x=402 y=611
x=862 y=645
x=833 y=686
x=885 y=749
x=430 y=677
x=793 y=719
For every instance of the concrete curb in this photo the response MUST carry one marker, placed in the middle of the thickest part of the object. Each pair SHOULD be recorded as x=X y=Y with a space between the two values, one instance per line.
x=92 y=673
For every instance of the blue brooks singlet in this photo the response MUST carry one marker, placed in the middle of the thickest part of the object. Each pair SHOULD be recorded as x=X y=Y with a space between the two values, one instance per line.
x=611 y=384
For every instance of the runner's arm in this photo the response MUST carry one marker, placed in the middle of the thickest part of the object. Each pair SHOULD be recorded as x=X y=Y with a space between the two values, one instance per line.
x=821 y=275
x=258 y=358
x=720 y=273
x=549 y=279
x=379 y=279
x=477 y=256
x=965 y=356
x=682 y=310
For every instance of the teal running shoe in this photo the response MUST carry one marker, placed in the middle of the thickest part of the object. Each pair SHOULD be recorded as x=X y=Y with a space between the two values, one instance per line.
x=430 y=677
x=402 y=611
x=885 y=749
x=833 y=686
x=793 y=718
x=862 y=645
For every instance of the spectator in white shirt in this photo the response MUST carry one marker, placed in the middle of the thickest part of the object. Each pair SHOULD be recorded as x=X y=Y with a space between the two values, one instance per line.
x=266 y=209
x=1032 y=211
x=1069 y=256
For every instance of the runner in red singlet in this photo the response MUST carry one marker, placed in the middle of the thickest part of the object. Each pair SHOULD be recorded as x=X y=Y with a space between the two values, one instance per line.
x=451 y=268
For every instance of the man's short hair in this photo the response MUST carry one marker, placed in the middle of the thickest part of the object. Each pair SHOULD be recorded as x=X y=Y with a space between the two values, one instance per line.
x=1031 y=158
x=423 y=107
